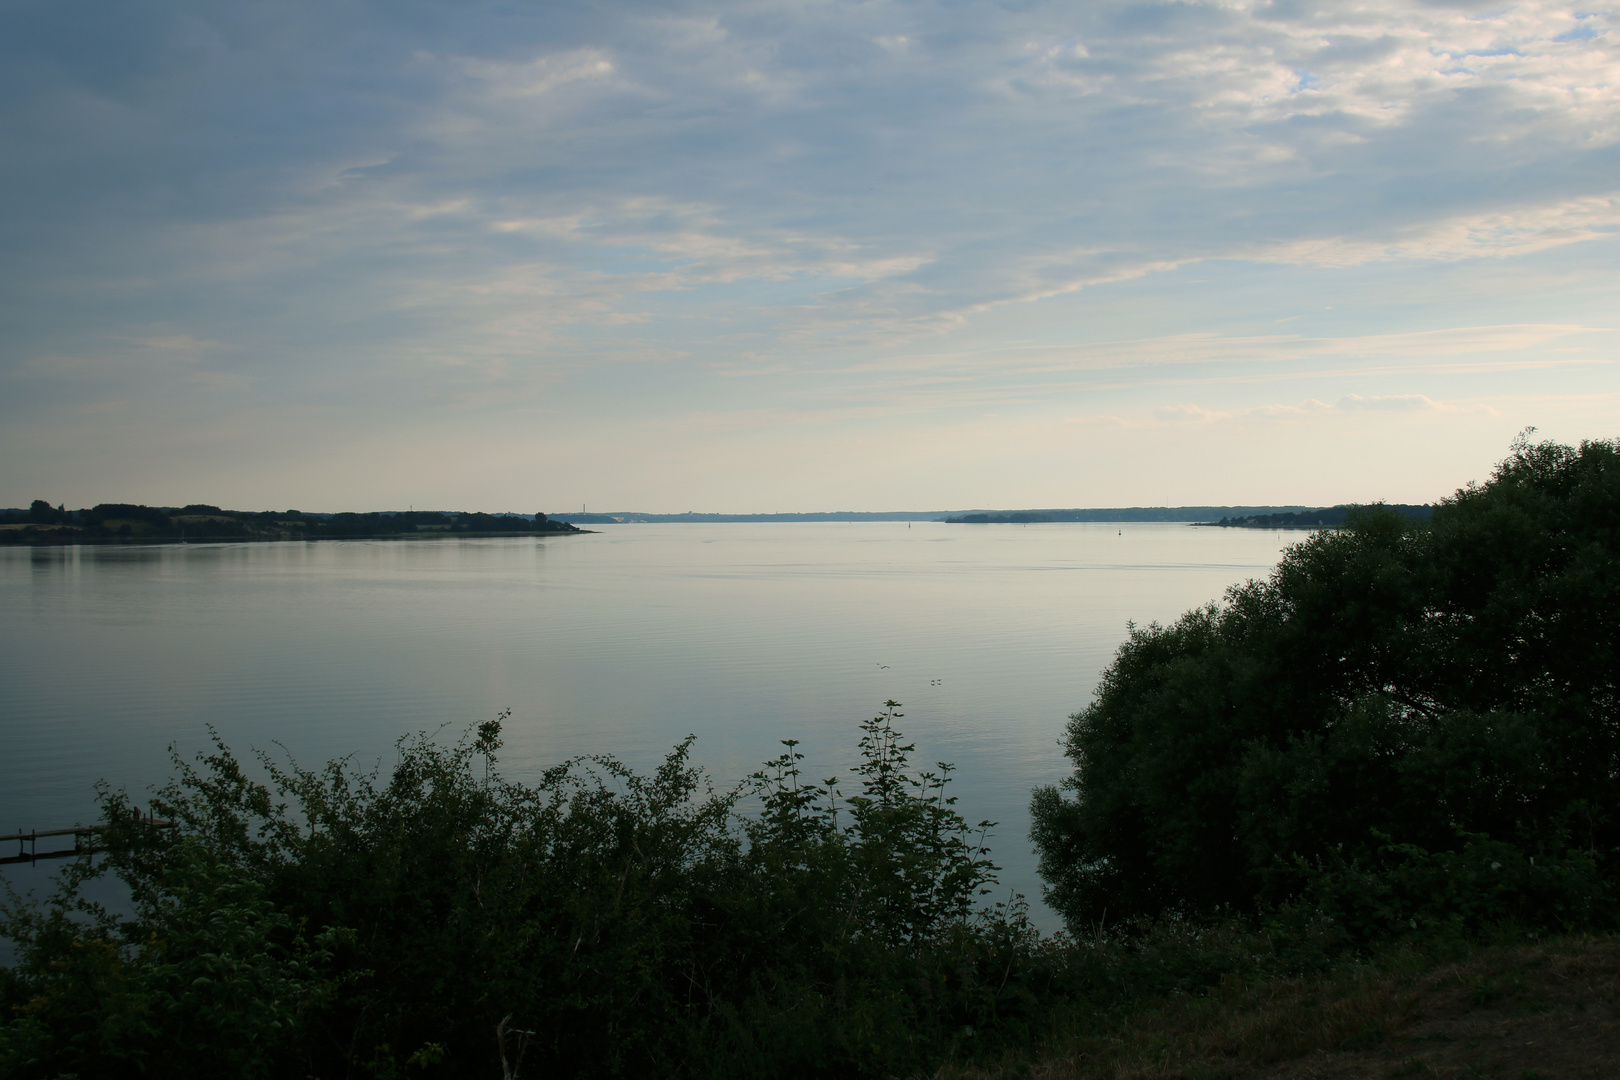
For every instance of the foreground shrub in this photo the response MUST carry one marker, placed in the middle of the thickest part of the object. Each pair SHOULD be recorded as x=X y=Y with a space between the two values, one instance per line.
x=443 y=920
x=207 y=980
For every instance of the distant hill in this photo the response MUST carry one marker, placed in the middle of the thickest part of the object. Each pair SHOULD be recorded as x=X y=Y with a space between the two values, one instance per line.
x=957 y=517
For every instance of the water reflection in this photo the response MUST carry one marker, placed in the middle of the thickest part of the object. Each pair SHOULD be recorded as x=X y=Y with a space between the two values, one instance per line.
x=619 y=642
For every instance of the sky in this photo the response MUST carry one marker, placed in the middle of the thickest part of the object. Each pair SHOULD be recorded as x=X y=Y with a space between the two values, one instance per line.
x=787 y=255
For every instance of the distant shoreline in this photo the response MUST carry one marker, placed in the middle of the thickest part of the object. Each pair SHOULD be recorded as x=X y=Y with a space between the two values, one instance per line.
x=1172 y=514
x=42 y=525
x=1304 y=517
x=1327 y=517
x=126 y=524
x=44 y=540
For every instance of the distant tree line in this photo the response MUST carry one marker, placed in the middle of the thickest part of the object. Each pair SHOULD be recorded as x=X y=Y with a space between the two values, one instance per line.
x=1327 y=517
x=114 y=522
x=1319 y=517
x=1177 y=514
x=1017 y=517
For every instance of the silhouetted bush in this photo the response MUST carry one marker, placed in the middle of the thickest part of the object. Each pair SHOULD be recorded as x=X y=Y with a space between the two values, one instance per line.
x=1407 y=724
x=333 y=922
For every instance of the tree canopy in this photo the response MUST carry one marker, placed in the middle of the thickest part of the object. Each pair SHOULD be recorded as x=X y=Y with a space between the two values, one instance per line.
x=1399 y=701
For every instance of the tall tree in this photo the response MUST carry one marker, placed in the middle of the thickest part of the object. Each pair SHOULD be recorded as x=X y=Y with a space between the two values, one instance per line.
x=1391 y=682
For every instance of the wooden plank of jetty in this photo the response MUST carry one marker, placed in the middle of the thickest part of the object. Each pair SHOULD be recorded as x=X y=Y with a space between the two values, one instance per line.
x=83 y=841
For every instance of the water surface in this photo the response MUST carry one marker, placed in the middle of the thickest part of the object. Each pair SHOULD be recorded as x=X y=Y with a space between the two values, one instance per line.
x=619 y=642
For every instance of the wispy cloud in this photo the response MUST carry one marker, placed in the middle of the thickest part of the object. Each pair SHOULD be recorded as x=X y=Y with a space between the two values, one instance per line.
x=630 y=214
x=1503 y=233
x=1355 y=403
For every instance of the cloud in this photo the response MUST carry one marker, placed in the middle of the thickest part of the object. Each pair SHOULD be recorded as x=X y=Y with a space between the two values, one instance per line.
x=540 y=75
x=1390 y=403
x=916 y=206
x=1364 y=66
x=1188 y=414
x=1348 y=409
x=1516 y=346
x=1377 y=403
x=1505 y=233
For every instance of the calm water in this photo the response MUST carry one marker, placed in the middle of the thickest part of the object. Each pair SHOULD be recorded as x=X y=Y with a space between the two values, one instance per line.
x=620 y=642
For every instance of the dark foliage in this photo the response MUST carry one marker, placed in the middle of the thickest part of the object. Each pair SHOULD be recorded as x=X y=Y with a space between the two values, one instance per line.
x=1408 y=723
x=1328 y=517
x=342 y=923
x=126 y=522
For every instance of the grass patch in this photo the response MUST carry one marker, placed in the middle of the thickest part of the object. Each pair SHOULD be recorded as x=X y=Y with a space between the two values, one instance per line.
x=1540 y=1010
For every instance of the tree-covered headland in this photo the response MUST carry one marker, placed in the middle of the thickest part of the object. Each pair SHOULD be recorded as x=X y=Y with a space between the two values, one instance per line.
x=1408 y=724
x=1325 y=517
x=1406 y=738
x=111 y=523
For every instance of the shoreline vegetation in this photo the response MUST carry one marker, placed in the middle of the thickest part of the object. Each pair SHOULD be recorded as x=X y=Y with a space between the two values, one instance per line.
x=1327 y=517
x=113 y=523
x=1359 y=818
x=1309 y=518
x=1170 y=514
x=125 y=523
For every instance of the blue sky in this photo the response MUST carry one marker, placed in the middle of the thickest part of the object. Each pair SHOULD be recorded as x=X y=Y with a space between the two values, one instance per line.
x=773 y=256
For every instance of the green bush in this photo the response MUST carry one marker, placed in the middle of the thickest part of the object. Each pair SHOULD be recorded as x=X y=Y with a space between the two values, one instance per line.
x=336 y=922
x=208 y=978
x=1396 y=696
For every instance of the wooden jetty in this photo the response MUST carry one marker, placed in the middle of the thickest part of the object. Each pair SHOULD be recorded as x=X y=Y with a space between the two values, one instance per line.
x=83 y=841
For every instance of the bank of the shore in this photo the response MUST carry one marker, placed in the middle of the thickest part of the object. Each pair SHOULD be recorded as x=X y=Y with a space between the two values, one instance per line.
x=59 y=540
x=1530 y=1010
x=116 y=523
